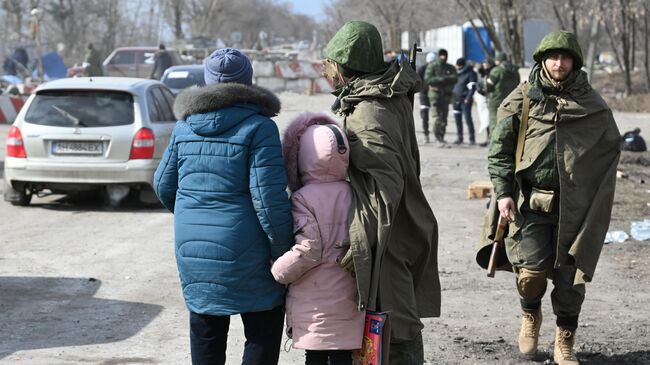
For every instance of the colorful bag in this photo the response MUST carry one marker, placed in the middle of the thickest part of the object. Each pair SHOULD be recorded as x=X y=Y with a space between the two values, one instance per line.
x=376 y=340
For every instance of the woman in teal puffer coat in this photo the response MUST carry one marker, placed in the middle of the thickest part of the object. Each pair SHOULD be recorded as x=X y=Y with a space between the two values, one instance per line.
x=224 y=179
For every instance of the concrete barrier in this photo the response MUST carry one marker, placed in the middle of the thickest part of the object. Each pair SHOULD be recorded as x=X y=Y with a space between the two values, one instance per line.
x=9 y=108
x=322 y=86
x=300 y=77
x=263 y=69
x=275 y=84
x=301 y=86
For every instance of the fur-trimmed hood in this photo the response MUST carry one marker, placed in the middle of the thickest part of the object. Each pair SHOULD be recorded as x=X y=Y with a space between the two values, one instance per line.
x=291 y=144
x=217 y=96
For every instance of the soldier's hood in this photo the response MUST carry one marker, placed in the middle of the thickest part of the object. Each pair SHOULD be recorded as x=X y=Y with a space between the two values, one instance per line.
x=357 y=46
x=394 y=81
x=562 y=41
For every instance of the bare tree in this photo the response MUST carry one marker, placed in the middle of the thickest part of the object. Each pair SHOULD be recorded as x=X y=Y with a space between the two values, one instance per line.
x=14 y=13
x=508 y=15
x=112 y=19
x=112 y=23
x=583 y=18
x=646 y=43
x=566 y=13
x=389 y=14
x=177 y=15
x=619 y=19
x=65 y=23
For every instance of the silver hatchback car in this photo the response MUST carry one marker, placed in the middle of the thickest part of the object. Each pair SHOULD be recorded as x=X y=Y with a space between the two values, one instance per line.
x=88 y=133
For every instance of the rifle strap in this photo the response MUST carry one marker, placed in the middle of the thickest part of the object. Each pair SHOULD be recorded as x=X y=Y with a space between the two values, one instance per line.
x=523 y=126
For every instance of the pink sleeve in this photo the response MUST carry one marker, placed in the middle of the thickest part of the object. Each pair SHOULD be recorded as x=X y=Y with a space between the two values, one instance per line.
x=307 y=251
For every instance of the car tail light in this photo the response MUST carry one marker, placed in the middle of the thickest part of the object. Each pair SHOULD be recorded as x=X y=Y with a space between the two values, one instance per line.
x=143 y=144
x=15 y=145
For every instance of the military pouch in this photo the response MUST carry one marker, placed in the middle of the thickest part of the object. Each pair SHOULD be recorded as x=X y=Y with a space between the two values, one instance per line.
x=541 y=200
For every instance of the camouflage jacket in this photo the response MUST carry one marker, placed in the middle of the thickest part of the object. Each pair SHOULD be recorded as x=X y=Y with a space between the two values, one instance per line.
x=571 y=145
x=441 y=78
x=500 y=82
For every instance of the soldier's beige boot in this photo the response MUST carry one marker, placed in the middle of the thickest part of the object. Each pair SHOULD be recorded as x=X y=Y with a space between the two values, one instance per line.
x=531 y=321
x=563 y=353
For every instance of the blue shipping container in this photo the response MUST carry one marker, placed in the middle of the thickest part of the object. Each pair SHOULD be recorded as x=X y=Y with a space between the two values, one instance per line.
x=473 y=50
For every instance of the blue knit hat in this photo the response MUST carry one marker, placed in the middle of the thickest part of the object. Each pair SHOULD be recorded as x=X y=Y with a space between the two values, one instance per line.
x=228 y=65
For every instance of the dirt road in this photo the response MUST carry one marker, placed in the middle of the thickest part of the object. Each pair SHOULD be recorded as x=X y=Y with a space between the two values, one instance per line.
x=84 y=284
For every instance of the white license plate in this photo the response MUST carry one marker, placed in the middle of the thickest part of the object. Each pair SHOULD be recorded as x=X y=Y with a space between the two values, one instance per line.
x=77 y=148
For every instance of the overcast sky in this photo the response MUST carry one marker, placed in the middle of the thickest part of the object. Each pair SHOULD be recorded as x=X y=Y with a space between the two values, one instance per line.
x=309 y=7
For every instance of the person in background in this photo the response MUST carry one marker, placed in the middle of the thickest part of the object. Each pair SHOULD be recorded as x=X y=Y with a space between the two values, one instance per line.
x=482 y=69
x=322 y=313
x=223 y=177
x=162 y=60
x=92 y=62
x=16 y=64
x=440 y=77
x=424 y=96
x=502 y=79
x=463 y=99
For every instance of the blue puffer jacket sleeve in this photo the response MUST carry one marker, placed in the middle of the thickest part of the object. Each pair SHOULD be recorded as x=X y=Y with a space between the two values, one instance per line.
x=267 y=183
x=165 y=180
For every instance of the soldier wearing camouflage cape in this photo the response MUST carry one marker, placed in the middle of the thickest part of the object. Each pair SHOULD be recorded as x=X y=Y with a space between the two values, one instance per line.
x=393 y=232
x=564 y=186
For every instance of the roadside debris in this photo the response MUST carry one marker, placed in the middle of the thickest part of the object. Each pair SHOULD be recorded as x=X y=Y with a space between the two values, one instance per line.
x=616 y=237
x=640 y=230
x=479 y=189
x=632 y=141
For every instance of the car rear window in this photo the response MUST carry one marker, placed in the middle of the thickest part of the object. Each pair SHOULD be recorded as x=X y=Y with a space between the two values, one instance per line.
x=83 y=108
x=183 y=78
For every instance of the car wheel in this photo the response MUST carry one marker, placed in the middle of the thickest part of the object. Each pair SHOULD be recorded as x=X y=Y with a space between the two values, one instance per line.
x=18 y=197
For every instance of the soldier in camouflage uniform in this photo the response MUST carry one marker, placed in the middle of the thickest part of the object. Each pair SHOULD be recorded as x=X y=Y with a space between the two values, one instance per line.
x=441 y=78
x=502 y=79
x=564 y=185
x=92 y=62
x=424 y=96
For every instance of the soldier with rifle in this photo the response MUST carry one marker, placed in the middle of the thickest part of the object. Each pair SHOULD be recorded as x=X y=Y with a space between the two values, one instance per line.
x=552 y=161
x=393 y=232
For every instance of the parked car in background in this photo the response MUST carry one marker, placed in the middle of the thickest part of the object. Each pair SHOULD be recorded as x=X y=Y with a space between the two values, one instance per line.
x=178 y=78
x=130 y=62
x=76 y=134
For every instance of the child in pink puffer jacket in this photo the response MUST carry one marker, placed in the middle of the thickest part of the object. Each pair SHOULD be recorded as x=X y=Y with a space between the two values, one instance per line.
x=321 y=304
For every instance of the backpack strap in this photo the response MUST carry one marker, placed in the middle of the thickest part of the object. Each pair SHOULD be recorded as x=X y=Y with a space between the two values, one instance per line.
x=340 y=142
x=523 y=126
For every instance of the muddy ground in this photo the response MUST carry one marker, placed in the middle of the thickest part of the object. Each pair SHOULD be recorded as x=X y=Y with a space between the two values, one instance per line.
x=81 y=283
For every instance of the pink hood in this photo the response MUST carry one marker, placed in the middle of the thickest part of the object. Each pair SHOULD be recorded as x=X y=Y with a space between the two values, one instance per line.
x=312 y=152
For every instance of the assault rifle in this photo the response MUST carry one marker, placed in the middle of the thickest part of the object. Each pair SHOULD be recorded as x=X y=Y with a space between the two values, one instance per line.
x=413 y=54
x=502 y=226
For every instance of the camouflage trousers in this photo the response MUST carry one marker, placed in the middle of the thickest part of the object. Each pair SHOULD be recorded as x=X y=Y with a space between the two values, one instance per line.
x=441 y=110
x=533 y=247
x=492 y=108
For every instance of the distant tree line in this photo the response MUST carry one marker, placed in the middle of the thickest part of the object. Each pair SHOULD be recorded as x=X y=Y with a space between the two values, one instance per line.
x=113 y=23
x=619 y=26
